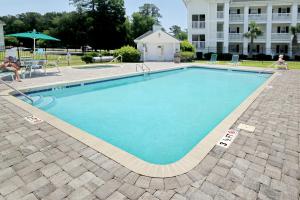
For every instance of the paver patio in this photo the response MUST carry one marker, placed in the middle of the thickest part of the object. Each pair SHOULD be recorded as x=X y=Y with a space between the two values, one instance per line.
x=41 y=162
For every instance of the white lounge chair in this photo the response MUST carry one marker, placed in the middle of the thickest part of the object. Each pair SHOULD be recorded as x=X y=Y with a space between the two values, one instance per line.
x=235 y=60
x=213 y=58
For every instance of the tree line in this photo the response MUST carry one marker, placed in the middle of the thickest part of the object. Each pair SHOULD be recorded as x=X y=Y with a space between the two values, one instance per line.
x=101 y=24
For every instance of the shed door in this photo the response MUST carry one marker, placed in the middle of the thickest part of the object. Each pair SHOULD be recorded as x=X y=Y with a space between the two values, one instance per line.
x=160 y=52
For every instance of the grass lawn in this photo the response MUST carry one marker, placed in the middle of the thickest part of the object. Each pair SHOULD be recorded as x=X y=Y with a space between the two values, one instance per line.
x=75 y=60
x=252 y=63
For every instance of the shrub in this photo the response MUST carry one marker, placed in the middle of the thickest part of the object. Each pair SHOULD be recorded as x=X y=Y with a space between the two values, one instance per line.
x=88 y=57
x=185 y=46
x=297 y=57
x=199 y=55
x=93 y=54
x=225 y=56
x=187 y=56
x=262 y=57
x=207 y=56
x=129 y=54
x=243 y=57
x=106 y=53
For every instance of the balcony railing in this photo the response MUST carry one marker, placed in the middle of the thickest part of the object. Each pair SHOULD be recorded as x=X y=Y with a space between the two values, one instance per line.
x=198 y=24
x=261 y=37
x=220 y=35
x=220 y=14
x=298 y=16
x=236 y=17
x=200 y=45
x=233 y=50
x=257 y=17
x=236 y=36
x=281 y=36
x=282 y=16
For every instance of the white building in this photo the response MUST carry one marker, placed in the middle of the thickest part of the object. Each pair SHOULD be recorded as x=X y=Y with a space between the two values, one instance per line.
x=157 y=45
x=219 y=25
x=2 y=46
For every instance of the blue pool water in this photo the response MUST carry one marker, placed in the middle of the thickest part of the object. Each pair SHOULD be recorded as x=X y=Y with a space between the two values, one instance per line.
x=158 y=118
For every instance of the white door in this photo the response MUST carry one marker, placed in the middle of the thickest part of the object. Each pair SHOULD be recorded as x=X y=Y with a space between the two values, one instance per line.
x=154 y=52
x=160 y=52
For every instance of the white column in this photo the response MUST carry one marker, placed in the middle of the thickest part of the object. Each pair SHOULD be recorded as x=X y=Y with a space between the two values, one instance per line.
x=2 y=45
x=189 y=22
x=246 y=25
x=269 y=29
x=294 y=12
x=226 y=27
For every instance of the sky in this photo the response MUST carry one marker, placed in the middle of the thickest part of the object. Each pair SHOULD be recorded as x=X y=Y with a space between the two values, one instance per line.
x=173 y=11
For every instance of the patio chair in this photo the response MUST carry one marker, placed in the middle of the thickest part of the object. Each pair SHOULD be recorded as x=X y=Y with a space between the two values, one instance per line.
x=55 y=63
x=235 y=60
x=213 y=59
x=34 y=65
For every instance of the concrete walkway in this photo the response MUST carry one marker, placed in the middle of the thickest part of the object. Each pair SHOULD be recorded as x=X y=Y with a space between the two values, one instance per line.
x=41 y=162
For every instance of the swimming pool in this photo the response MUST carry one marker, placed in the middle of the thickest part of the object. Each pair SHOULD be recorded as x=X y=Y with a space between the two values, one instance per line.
x=158 y=118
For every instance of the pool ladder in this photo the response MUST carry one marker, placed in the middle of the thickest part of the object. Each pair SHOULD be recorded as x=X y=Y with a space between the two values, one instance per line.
x=145 y=68
x=18 y=91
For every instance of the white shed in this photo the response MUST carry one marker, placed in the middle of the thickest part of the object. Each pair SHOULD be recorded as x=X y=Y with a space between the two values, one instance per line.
x=157 y=45
x=2 y=45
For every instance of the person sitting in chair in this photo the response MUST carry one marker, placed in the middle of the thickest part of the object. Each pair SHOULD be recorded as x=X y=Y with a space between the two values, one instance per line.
x=11 y=64
x=281 y=63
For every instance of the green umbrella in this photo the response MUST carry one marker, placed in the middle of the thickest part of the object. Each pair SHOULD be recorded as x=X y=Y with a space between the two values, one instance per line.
x=33 y=35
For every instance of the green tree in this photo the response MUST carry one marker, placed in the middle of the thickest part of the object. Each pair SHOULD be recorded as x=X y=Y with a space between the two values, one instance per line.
x=253 y=33
x=141 y=24
x=107 y=17
x=150 y=10
x=11 y=41
x=178 y=33
x=295 y=30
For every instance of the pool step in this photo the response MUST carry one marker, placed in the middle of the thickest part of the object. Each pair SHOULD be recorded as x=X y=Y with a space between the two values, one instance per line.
x=46 y=102
x=36 y=99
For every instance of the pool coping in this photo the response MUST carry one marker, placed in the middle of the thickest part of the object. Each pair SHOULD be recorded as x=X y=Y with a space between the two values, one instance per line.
x=185 y=164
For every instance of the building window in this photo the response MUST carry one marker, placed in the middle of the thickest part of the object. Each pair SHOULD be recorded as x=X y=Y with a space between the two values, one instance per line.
x=198 y=41
x=283 y=29
x=282 y=49
x=196 y=38
x=198 y=21
x=198 y=18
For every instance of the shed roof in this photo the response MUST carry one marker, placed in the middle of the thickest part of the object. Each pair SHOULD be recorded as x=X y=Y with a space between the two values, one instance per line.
x=147 y=36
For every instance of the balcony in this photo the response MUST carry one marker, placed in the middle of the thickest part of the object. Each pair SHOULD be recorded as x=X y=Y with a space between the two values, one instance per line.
x=198 y=24
x=236 y=36
x=282 y=37
x=220 y=35
x=220 y=14
x=257 y=17
x=260 y=38
x=200 y=45
x=236 y=17
x=298 y=16
x=282 y=16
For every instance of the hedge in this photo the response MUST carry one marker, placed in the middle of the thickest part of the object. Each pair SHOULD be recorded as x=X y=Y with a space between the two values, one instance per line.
x=187 y=56
x=88 y=57
x=128 y=53
x=186 y=46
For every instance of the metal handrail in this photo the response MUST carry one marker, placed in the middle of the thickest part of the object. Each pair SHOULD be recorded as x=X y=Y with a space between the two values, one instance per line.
x=116 y=58
x=18 y=91
x=146 y=66
x=143 y=67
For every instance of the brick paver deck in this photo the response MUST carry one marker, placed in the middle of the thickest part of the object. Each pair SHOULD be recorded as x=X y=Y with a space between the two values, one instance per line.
x=41 y=162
